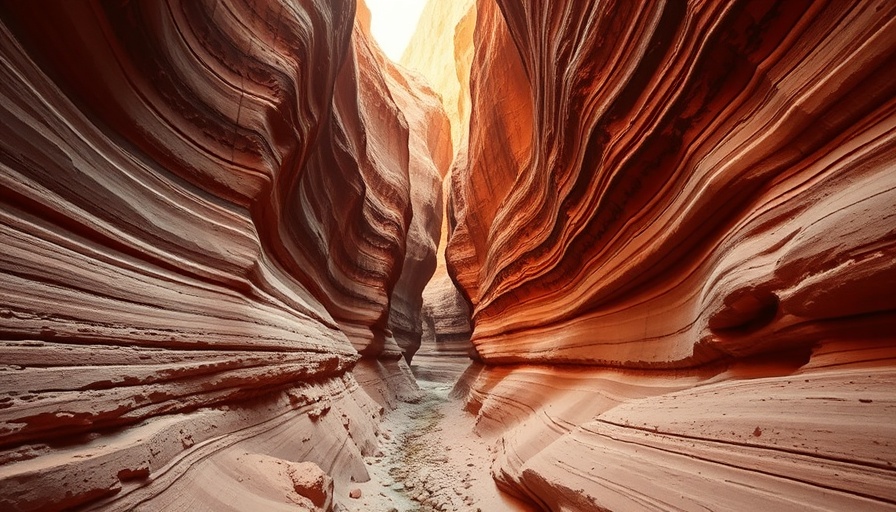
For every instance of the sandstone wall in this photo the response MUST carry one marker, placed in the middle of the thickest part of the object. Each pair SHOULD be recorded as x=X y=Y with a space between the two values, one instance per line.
x=431 y=155
x=441 y=50
x=690 y=206
x=206 y=210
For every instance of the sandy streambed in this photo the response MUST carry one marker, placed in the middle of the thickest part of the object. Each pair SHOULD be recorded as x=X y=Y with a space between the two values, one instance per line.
x=431 y=461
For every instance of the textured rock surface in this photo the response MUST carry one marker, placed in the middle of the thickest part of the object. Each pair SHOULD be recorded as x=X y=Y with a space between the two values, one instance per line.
x=445 y=350
x=430 y=156
x=769 y=433
x=442 y=51
x=206 y=209
x=674 y=224
x=677 y=182
x=693 y=207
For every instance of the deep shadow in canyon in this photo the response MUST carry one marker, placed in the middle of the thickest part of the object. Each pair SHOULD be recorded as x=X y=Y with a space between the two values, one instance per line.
x=565 y=255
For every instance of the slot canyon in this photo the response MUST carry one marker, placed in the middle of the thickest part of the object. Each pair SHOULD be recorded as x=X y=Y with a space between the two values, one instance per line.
x=566 y=255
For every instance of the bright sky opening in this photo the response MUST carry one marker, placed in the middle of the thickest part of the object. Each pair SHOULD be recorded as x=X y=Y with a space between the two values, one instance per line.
x=393 y=22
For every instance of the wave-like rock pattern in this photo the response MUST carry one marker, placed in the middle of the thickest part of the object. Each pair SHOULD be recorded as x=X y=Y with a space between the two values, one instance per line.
x=678 y=181
x=430 y=156
x=777 y=434
x=680 y=255
x=206 y=207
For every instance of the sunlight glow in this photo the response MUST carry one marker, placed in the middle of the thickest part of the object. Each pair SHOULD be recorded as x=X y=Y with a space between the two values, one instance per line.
x=392 y=23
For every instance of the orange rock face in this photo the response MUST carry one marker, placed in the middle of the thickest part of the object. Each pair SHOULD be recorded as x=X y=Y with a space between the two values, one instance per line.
x=672 y=190
x=692 y=206
x=207 y=211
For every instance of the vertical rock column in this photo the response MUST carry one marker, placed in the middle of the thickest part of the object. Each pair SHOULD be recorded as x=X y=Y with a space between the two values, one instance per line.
x=441 y=50
x=398 y=135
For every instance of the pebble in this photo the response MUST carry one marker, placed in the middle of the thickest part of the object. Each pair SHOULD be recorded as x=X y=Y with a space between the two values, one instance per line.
x=354 y=493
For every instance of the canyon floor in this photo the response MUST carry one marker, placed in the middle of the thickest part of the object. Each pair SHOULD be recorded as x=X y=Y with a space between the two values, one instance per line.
x=432 y=460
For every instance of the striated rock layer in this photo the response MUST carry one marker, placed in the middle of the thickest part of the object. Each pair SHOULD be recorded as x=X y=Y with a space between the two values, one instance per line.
x=441 y=50
x=691 y=210
x=206 y=212
x=430 y=157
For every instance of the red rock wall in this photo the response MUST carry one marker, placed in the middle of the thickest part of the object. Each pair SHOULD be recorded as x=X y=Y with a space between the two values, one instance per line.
x=206 y=209
x=691 y=206
x=679 y=181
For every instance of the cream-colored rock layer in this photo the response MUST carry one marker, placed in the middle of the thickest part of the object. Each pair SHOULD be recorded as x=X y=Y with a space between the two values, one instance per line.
x=441 y=50
x=205 y=208
x=168 y=455
x=445 y=348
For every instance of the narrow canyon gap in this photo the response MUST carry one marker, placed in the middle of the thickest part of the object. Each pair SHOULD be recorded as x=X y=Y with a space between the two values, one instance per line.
x=641 y=256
